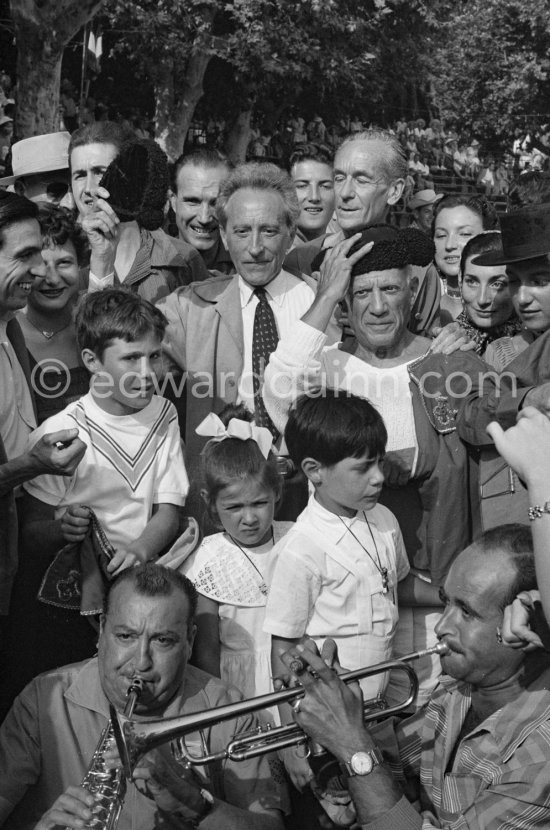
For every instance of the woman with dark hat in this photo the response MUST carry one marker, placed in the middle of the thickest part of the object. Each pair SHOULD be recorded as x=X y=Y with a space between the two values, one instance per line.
x=525 y=255
x=487 y=310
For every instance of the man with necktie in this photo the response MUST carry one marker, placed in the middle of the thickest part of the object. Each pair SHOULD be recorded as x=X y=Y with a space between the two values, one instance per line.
x=222 y=331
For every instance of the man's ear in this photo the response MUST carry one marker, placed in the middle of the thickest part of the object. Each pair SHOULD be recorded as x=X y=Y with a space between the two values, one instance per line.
x=172 y=198
x=101 y=623
x=395 y=191
x=313 y=470
x=90 y=360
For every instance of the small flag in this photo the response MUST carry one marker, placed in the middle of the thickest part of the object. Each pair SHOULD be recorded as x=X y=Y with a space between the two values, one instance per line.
x=94 y=53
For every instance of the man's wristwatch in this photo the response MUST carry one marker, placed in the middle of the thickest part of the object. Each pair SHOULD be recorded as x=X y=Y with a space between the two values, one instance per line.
x=362 y=763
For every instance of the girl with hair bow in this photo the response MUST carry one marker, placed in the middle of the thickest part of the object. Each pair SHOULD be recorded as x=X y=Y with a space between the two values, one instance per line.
x=232 y=569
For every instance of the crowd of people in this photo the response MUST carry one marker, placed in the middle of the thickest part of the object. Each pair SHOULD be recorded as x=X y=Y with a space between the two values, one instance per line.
x=436 y=150
x=253 y=430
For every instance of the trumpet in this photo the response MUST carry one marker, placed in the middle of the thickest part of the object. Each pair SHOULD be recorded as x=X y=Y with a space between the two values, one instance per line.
x=134 y=738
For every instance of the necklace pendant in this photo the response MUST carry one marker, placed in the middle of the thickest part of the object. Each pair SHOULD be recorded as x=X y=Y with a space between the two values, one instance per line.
x=47 y=334
x=385 y=580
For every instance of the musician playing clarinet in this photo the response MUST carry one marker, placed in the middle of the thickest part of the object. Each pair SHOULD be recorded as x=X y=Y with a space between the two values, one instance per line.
x=52 y=731
x=477 y=757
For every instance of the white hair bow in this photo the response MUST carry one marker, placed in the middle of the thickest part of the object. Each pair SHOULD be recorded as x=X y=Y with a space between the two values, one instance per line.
x=212 y=427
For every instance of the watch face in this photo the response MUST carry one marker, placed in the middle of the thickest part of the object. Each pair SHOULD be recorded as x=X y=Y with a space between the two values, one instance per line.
x=361 y=763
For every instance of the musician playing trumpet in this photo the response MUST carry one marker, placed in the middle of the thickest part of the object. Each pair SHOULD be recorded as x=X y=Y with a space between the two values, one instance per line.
x=477 y=757
x=53 y=728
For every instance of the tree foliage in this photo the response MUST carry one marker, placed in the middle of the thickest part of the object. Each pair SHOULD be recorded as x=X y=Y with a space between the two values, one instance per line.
x=490 y=63
x=264 y=44
x=43 y=28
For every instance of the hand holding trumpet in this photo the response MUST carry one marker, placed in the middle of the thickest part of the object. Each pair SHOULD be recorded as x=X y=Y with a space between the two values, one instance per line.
x=330 y=712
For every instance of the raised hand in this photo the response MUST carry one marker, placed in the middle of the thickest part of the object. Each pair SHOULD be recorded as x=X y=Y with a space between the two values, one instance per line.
x=335 y=273
x=59 y=453
x=102 y=229
x=526 y=446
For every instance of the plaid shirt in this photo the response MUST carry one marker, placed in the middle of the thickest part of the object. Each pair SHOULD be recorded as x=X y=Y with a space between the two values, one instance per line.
x=500 y=775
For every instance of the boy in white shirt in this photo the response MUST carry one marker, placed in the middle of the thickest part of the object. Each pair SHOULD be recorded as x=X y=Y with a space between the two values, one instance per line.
x=338 y=567
x=132 y=474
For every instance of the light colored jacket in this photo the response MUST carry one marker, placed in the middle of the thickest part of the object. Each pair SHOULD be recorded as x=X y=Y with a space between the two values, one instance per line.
x=204 y=340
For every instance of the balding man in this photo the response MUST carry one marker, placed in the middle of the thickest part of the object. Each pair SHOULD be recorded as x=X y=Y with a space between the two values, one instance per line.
x=478 y=755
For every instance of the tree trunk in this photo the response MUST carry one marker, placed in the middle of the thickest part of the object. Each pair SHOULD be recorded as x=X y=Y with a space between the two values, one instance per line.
x=239 y=137
x=42 y=30
x=174 y=109
x=176 y=97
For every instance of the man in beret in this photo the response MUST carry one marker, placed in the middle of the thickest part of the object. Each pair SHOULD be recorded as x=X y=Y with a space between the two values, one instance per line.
x=420 y=395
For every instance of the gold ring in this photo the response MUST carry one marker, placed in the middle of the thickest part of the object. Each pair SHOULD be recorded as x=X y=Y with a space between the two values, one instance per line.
x=297 y=666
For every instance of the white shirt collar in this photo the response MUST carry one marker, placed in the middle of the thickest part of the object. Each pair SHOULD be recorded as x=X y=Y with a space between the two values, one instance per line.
x=334 y=527
x=275 y=290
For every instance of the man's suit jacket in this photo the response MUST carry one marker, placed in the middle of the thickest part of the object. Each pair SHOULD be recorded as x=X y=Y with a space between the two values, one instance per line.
x=204 y=340
x=8 y=513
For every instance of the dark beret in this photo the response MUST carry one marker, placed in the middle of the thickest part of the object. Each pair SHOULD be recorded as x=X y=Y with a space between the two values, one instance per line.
x=137 y=181
x=393 y=248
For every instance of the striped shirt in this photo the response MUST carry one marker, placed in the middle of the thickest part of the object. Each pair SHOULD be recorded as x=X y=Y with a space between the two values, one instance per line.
x=499 y=778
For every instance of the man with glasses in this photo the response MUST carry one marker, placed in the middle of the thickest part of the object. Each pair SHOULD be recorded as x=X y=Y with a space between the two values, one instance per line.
x=40 y=167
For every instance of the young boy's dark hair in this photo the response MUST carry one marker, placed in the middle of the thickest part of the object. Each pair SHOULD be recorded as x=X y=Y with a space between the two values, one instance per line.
x=334 y=426
x=114 y=313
